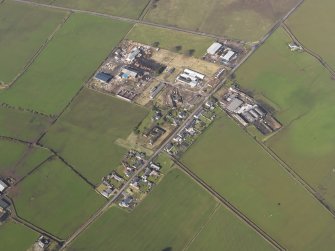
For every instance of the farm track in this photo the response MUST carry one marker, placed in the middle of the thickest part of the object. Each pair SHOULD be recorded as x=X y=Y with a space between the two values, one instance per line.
x=161 y=148
x=230 y=207
x=307 y=50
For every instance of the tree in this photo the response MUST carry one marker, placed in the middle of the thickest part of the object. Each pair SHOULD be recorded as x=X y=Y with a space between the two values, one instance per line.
x=178 y=48
x=155 y=44
x=190 y=52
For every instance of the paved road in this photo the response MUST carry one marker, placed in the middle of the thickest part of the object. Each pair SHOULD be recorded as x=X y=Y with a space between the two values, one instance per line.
x=230 y=207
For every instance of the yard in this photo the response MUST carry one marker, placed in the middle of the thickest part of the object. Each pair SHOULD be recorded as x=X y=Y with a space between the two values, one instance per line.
x=66 y=63
x=172 y=40
x=240 y=19
x=17 y=160
x=231 y=162
x=55 y=199
x=304 y=94
x=16 y=237
x=85 y=135
x=22 y=125
x=313 y=26
x=168 y=219
x=23 y=30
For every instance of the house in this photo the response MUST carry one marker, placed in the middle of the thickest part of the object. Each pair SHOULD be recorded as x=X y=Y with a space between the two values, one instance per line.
x=126 y=202
x=103 y=77
x=213 y=49
x=43 y=242
x=154 y=166
x=135 y=183
x=3 y=186
x=107 y=192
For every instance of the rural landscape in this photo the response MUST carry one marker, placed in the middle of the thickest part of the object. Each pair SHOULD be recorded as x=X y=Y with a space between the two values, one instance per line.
x=167 y=125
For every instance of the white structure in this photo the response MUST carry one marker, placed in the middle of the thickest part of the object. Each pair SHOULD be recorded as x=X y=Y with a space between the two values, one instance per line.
x=132 y=55
x=3 y=186
x=227 y=57
x=192 y=78
x=294 y=47
x=212 y=50
x=194 y=74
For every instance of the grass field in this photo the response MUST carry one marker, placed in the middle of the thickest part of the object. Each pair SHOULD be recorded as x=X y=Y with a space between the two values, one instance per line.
x=66 y=63
x=23 y=30
x=55 y=199
x=22 y=125
x=86 y=133
x=235 y=166
x=169 y=39
x=17 y=160
x=304 y=93
x=16 y=237
x=168 y=219
x=127 y=8
x=241 y=19
x=313 y=26
x=225 y=232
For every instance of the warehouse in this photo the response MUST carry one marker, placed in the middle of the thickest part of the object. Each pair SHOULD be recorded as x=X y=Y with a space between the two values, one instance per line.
x=103 y=77
x=227 y=57
x=213 y=49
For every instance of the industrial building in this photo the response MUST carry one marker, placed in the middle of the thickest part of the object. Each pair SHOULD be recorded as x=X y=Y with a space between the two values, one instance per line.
x=103 y=77
x=191 y=78
x=213 y=49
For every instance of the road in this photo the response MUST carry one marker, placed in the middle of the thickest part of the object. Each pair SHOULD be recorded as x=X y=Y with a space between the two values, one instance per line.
x=229 y=206
x=189 y=118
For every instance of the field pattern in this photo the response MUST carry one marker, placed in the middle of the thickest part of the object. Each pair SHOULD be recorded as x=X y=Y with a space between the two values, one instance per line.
x=250 y=179
x=86 y=133
x=56 y=199
x=240 y=19
x=66 y=63
x=23 y=29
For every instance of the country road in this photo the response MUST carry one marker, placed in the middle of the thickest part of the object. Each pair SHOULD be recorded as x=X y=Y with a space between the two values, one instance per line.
x=102 y=210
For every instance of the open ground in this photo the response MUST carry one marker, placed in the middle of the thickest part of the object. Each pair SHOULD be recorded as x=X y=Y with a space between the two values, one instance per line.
x=66 y=63
x=23 y=30
x=303 y=93
x=55 y=199
x=170 y=217
x=90 y=127
x=236 y=167
x=240 y=19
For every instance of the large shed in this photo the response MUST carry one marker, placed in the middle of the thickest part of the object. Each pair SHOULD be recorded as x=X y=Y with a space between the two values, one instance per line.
x=212 y=50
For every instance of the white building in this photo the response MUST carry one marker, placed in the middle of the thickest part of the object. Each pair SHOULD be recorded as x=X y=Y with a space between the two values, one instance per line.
x=3 y=186
x=213 y=49
x=227 y=57
x=133 y=54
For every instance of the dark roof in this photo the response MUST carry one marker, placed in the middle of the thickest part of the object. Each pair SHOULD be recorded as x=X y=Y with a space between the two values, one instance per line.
x=104 y=77
x=4 y=204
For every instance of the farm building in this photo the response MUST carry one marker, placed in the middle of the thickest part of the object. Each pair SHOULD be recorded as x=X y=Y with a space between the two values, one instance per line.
x=156 y=90
x=133 y=54
x=227 y=57
x=103 y=77
x=234 y=105
x=3 y=186
x=4 y=205
x=213 y=49
x=191 y=78
x=129 y=72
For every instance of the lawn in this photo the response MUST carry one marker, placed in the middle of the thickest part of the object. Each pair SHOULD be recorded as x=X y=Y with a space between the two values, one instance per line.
x=313 y=25
x=225 y=232
x=231 y=162
x=304 y=93
x=240 y=19
x=17 y=160
x=56 y=199
x=127 y=8
x=85 y=135
x=66 y=63
x=170 y=39
x=23 y=30
x=16 y=237
x=22 y=125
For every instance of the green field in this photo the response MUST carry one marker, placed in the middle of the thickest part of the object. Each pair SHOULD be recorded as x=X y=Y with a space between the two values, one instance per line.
x=86 y=133
x=16 y=237
x=127 y=8
x=168 y=219
x=304 y=93
x=66 y=63
x=313 y=26
x=236 y=167
x=55 y=199
x=17 y=160
x=23 y=30
x=241 y=19
x=225 y=232
x=169 y=39
x=22 y=125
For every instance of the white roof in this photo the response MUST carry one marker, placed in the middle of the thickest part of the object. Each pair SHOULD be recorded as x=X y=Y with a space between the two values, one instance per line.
x=194 y=74
x=228 y=56
x=214 y=48
x=3 y=186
